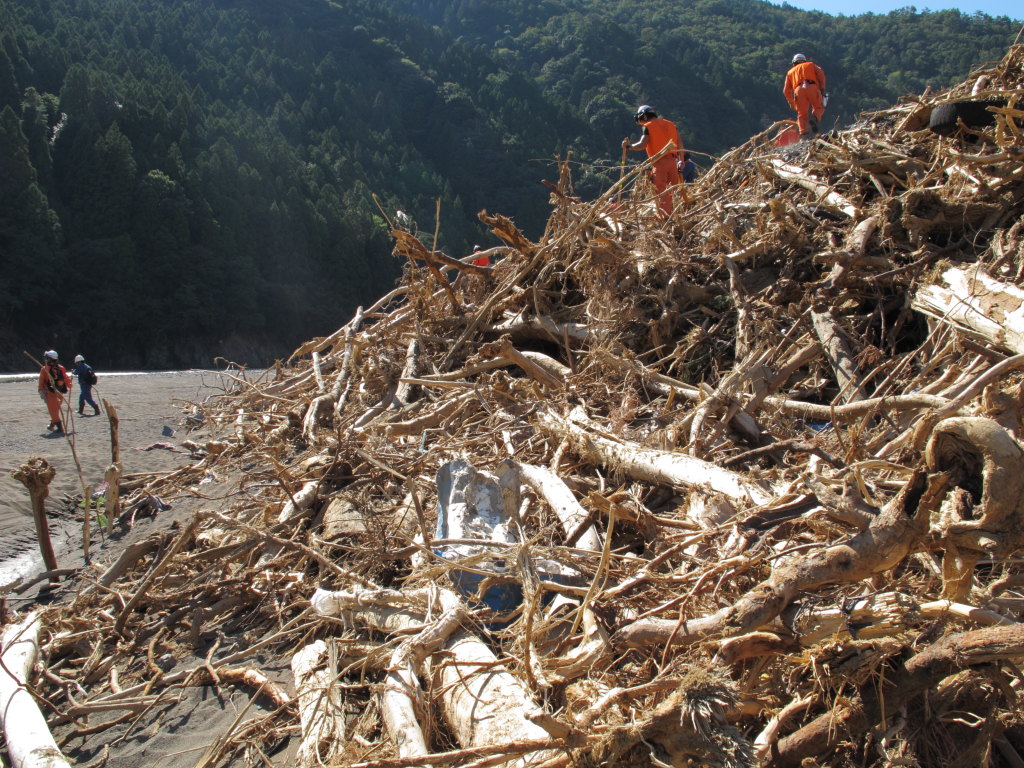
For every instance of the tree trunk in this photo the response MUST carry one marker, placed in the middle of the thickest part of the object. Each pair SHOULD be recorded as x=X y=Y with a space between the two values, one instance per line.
x=29 y=742
x=653 y=465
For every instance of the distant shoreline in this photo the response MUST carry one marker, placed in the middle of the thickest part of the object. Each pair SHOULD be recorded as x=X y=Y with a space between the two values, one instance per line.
x=9 y=377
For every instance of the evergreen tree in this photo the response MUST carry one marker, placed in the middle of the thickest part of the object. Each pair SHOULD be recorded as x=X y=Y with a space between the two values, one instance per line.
x=31 y=269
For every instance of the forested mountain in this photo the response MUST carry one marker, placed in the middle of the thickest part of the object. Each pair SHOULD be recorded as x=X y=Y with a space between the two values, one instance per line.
x=715 y=66
x=181 y=180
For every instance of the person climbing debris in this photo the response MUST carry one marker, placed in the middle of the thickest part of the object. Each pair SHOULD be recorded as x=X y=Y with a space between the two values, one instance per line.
x=480 y=261
x=54 y=383
x=86 y=378
x=805 y=92
x=657 y=133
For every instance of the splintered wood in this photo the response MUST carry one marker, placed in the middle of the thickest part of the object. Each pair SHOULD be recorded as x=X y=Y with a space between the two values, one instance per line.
x=744 y=487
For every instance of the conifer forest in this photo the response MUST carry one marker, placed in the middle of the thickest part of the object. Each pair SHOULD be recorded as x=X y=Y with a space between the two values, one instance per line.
x=180 y=181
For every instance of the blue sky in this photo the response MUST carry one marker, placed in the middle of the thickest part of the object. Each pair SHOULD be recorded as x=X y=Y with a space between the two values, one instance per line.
x=1012 y=8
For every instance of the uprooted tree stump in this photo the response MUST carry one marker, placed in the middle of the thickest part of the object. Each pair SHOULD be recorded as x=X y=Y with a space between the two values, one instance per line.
x=36 y=475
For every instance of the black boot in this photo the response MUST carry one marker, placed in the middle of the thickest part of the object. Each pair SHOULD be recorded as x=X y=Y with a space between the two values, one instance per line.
x=58 y=428
x=81 y=410
x=95 y=410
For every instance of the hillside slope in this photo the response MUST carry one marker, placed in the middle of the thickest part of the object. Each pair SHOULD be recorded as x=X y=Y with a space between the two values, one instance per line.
x=216 y=178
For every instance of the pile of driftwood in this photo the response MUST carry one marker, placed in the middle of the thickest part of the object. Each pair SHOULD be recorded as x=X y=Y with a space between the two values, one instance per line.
x=745 y=487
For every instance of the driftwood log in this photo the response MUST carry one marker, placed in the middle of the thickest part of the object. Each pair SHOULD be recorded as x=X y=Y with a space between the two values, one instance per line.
x=28 y=738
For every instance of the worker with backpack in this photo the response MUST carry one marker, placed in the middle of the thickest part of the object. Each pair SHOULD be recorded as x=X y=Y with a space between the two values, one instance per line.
x=54 y=383
x=86 y=379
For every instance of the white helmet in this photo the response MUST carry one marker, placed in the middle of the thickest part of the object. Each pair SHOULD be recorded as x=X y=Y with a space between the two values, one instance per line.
x=50 y=354
x=798 y=58
x=644 y=110
x=79 y=359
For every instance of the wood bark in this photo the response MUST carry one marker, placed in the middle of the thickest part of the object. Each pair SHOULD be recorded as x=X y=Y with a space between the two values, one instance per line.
x=797 y=175
x=889 y=538
x=541 y=327
x=563 y=503
x=112 y=496
x=432 y=419
x=837 y=351
x=950 y=655
x=300 y=501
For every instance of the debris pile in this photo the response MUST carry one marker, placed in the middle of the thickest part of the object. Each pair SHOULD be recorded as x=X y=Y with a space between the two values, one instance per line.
x=745 y=487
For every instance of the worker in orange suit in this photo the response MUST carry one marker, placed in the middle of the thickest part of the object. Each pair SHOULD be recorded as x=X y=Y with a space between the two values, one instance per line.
x=805 y=92
x=54 y=383
x=480 y=261
x=657 y=133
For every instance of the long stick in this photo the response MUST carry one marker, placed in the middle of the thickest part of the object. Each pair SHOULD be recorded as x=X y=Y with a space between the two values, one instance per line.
x=622 y=171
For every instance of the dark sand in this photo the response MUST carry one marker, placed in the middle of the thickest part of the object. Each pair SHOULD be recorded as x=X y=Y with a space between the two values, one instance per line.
x=145 y=402
x=177 y=730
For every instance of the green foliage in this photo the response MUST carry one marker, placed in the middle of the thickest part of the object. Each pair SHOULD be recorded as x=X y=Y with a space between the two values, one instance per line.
x=716 y=66
x=181 y=178
x=180 y=175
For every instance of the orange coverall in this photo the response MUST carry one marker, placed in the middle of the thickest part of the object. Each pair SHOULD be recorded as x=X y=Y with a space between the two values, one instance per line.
x=805 y=83
x=54 y=399
x=665 y=173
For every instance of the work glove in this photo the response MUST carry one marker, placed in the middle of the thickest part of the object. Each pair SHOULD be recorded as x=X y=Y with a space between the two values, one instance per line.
x=626 y=142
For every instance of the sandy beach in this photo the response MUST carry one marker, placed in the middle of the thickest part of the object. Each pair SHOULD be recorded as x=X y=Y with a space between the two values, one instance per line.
x=146 y=403
x=176 y=734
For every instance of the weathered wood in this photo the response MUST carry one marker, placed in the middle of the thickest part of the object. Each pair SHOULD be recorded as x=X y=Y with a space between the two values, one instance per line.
x=667 y=467
x=837 y=351
x=432 y=419
x=321 y=716
x=563 y=503
x=112 y=494
x=300 y=501
x=483 y=703
x=28 y=738
x=948 y=656
x=541 y=327
x=797 y=175
x=889 y=538
x=36 y=475
x=977 y=304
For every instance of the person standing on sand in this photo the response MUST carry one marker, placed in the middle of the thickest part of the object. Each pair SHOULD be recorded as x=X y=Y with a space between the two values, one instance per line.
x=54 y=383
x=86 y=378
